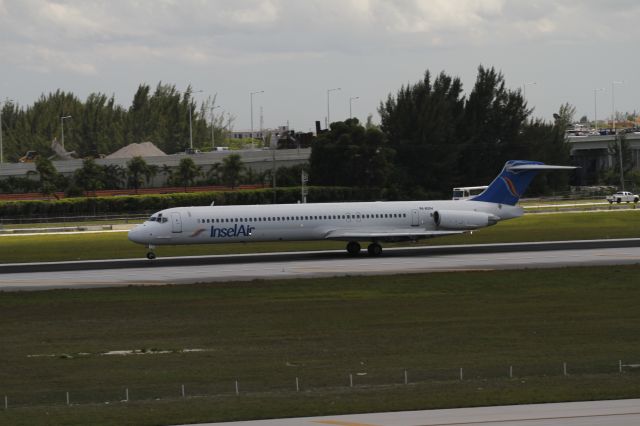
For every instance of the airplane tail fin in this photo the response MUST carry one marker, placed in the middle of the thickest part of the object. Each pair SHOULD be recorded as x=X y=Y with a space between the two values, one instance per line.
x=513 y=181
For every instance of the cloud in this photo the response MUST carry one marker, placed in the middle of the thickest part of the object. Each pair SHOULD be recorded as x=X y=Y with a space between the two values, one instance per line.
x=54 y=34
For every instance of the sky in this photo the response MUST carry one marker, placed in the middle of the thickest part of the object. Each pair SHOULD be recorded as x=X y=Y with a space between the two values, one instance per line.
x=296 y=50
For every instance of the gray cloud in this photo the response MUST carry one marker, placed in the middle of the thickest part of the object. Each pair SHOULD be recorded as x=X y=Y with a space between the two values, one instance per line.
x=374 y=45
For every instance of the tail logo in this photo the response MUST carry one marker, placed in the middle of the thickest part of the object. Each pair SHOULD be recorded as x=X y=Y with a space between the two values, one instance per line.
x=510 y=186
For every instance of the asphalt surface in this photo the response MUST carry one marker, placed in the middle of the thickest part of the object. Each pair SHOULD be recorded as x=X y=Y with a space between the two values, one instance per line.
x=178 y=270
x=589 y=413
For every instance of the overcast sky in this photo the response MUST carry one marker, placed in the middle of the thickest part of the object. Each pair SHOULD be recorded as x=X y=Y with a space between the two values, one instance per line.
x=295 y=50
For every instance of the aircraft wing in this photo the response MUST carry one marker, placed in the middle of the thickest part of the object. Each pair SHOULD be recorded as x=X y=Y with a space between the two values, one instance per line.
x=385 y=234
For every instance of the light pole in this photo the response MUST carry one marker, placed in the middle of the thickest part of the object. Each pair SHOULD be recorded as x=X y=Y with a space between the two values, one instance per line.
x=613 y=126
x=328 y=107
x=595 y=106
x=213 y=141
x=190 y=127
x=1 y=143
x=524 y=88
x=251 y=99
x=350 y=100
x=64 y=117
x=613 y=105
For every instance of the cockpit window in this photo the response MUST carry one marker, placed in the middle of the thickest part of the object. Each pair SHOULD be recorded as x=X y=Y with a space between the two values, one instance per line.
x=152 y=219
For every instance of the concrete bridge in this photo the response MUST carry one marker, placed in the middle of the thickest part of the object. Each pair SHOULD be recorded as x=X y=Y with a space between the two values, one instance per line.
x=592 y=154
x=256 y=160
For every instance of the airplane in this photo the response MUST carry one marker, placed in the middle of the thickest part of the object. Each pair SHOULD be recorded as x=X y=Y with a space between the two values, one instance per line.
x=353 y=222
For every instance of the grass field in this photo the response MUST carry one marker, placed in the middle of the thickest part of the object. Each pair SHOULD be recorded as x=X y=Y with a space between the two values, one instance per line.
x=266 y=333
x=540 y=227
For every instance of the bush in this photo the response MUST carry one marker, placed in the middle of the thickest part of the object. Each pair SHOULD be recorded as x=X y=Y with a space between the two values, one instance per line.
x=137 y=204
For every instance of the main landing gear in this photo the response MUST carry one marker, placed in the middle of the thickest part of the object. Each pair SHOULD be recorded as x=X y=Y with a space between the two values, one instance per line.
x=353 y=248
x=374 y=249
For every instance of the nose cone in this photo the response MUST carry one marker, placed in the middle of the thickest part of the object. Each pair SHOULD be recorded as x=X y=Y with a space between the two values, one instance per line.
x=138 y=234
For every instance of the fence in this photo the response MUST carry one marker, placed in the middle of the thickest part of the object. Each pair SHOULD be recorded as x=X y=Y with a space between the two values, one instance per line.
x=13 y=398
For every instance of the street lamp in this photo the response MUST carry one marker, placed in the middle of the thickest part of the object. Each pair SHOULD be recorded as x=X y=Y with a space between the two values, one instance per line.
x=213 y=144
x=350 y=100
x=1 y=144
x=595 y=106
x=524 y=88
x=251 y=98
x=64 y=117
x=328 y=108
x=190 y=127
x=613 y=126
x=613 y=105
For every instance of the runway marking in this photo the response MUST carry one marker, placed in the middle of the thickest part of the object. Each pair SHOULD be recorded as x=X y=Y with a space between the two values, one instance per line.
x=339 y=423
x=531 y=419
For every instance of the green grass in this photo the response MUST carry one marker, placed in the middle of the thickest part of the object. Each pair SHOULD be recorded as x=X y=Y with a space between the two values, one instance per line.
x=267 y=333
x=542 y=227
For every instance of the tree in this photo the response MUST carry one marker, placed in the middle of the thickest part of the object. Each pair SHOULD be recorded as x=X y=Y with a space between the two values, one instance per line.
x=137 y=171
x=232 y=169
x=47 y=174
x=186 y=173
x=113 y=176
x=494 y=118
x=422 y=124
x=351 y=155
x=90 y=177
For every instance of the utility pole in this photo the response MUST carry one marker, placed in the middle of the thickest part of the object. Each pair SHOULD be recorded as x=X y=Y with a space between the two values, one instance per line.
x=251 y=99
x=615 y=134
x=190 y=126
x=62 y=126
x=328 y=105
x=350 y=101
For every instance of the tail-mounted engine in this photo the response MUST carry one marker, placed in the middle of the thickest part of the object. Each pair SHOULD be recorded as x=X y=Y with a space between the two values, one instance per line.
x=461 y=220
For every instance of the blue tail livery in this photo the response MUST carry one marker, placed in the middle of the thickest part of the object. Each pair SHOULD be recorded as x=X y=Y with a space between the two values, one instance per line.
x=513 y=181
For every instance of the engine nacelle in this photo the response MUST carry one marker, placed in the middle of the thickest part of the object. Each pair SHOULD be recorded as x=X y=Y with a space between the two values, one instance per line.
x=462 y=220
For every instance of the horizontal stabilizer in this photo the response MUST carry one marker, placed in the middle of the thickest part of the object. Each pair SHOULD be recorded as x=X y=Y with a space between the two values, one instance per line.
x=513 y=181
x=538 y=167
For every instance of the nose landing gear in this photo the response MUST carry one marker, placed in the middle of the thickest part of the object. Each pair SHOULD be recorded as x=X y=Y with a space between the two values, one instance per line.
x=150 y=254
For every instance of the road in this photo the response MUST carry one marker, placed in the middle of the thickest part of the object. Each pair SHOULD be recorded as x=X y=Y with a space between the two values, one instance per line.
x=589 y=413
x=179 y=270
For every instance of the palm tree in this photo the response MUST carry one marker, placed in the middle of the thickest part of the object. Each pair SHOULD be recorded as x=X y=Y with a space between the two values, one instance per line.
x=232 y=169
x=48 y=175
x=113 y=176
x=137 y=170
x=187 y=172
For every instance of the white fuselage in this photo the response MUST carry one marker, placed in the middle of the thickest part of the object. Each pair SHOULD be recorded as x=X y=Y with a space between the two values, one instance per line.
x=294 y=222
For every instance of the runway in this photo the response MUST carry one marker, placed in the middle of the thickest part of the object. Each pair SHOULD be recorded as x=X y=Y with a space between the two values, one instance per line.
x=589 y=413
x=183 y=270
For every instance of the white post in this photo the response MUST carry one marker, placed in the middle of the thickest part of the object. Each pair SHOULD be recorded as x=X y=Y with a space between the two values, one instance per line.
x=564 y=367
x=328 y=106
x=406 y=377
x=350 y=380
x=126 y=394
x=237 y=389
x=6 y=402
x=68 y=399
x=297 y=385
x=182 y=391
x=620 y=366
x=461 y=375
x=511 y=371
x=1 y=147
